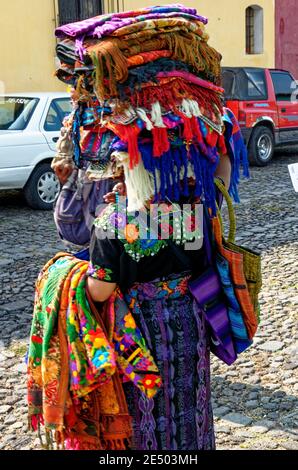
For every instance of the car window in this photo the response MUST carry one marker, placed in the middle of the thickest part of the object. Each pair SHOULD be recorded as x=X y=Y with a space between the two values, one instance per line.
x=282 y=82
x=256 y=84
x=228 y=83
x=58 y=110
x=16 y=112
x=244 y=84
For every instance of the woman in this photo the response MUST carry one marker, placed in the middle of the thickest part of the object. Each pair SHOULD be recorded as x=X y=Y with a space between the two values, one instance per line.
x=151 y=105
x=180 y=416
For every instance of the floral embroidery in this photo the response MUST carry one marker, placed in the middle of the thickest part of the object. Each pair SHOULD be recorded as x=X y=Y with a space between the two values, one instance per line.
x=133 y=230
x=150 y=381
x=101 y=358
x=129 y=322
x=166 y=229
x=131 y=233
x=147 y=244
x=117 y=220
x=99 y=273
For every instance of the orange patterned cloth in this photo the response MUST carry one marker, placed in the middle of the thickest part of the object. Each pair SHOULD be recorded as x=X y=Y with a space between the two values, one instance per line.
x=145 y=57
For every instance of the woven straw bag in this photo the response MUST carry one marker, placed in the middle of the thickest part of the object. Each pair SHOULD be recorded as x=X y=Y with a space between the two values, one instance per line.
x=244 y=264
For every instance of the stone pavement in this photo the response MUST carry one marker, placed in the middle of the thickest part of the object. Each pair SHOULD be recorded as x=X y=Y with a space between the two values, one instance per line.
x=255 y=400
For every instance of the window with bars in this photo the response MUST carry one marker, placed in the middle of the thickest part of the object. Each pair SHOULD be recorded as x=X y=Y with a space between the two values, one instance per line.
x=254 y=29
x=77 y=10
x=250 y=30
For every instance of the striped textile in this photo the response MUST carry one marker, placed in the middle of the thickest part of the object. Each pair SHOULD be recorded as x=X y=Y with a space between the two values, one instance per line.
x=235 y=261
x=239 y=331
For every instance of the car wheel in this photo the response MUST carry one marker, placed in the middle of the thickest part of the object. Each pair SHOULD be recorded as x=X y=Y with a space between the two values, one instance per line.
x=42 y=189
x=261 y=146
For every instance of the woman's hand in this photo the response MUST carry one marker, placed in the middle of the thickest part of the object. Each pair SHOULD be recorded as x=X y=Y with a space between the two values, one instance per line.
x=100 y=291
x=119 y=188
x=62 y=171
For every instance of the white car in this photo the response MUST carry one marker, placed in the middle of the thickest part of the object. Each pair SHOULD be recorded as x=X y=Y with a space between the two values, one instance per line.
x=29 y=129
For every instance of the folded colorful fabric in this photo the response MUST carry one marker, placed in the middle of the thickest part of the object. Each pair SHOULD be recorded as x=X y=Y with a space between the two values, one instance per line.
x=71 y=355
x=92 y=26
x=154 y=83
x=145 y=57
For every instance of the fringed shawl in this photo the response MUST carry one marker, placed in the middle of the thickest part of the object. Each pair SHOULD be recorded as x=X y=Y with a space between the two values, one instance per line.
x=76 y=354
x=100 y=26
x=160 y=81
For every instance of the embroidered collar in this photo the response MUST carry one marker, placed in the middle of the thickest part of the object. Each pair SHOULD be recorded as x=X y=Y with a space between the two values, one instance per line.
x=146 y=232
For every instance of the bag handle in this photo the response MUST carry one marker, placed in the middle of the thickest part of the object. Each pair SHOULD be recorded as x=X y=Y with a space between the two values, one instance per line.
x=218 y=222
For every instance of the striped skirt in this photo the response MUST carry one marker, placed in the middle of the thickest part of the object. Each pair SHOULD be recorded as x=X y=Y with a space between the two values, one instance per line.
x=179 y=417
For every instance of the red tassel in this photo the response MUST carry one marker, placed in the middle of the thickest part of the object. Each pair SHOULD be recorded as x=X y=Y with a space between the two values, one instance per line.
x=187 y=131
x=128 y=134
x=35 y=421
x=169 y=94
x=131 y=137
x=187 y=128
x=161 y=142
x=211 y=138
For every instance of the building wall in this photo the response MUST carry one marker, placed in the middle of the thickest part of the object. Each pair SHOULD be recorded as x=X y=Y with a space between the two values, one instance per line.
x=287 y=35
x=226 y=27
x=27 y=52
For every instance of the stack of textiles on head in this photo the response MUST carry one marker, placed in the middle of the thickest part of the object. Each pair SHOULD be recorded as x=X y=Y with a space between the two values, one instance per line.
x=150 y=101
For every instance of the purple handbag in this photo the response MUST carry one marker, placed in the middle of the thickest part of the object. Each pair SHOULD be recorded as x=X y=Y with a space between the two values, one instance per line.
x=208 y=293
x=76 y=205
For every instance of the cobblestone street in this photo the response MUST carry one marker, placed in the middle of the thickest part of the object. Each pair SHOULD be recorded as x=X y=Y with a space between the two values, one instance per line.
x=255 y=400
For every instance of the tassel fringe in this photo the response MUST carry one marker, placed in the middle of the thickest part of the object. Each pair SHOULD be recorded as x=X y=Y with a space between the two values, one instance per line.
x=139 y=184
x=109 y=58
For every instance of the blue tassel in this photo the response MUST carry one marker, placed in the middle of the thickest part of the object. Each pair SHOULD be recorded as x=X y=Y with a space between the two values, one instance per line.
x=184 y=158
x=237 y=152
x=146 y=150
x=77 y=137
x=204 y=171
x=164 y=171
x=177 y=165
x=195 y=157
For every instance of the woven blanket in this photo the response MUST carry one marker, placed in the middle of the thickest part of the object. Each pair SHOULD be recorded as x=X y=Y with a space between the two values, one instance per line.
x=71 y=355
x=96 y=26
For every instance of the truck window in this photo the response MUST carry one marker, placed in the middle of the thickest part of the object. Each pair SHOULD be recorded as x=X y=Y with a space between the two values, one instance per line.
x=256 y=84
x=244 y=84
x=282 y=82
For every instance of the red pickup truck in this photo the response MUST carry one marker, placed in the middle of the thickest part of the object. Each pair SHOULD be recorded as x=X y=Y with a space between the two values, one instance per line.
x=265 y=102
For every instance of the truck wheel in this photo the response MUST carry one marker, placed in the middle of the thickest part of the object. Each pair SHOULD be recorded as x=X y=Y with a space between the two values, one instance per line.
x=261 y=146
x=42 y=189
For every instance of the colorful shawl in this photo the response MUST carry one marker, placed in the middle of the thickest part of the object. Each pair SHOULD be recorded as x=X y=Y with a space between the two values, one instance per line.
x=75 y=356
x=159 y=25
x=109 y=57
x=157 y=86
x=102 y=25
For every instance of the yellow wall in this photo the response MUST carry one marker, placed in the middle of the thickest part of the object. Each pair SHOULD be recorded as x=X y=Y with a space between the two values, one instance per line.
x=27 y=42
x=226 y=27
x=27 y=46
